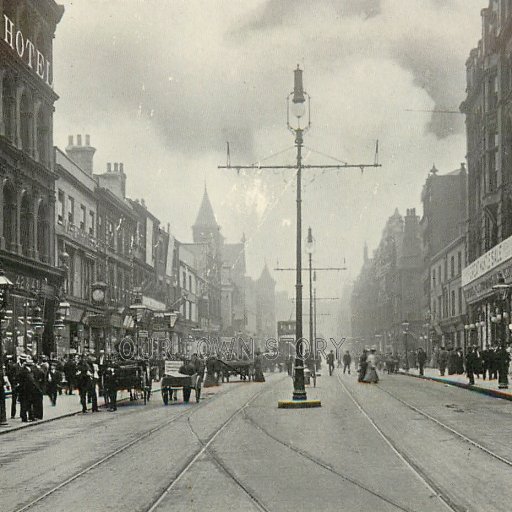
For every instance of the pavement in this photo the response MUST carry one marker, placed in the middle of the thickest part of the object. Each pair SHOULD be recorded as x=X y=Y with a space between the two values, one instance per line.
x=487 y=387
x=69 y=405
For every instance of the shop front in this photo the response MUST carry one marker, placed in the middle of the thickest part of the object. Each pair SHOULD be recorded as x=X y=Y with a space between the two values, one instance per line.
x=488 y=313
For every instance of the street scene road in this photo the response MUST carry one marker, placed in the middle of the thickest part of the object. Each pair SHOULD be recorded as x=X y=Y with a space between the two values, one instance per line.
x=235 y=450
x=255 y=255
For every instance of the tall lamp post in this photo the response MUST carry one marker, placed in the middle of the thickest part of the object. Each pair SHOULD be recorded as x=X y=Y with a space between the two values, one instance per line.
x=297 y=108
x=310 y=249
x=5 y=285
x=501 y=318
x=405 y=326
x=38 y=327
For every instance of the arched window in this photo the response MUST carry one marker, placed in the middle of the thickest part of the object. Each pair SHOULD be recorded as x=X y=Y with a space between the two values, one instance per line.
x=26 y=120
x=43 y=232
x=8 y=95
x=9 y=214
x=43 y=136
x=25 y=224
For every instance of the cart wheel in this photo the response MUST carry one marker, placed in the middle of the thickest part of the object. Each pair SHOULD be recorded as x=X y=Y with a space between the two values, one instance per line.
x=186 y=394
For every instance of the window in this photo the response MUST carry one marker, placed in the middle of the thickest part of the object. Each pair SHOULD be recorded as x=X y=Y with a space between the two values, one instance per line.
x=71 y=210
x=460 y=301
x=190 y=283
x=91 y=223
x=453 y=303
x=184 y=280
x=434 y=278
x=60 y=207
x=452 y=266
x=459 y=262
x=83 y=217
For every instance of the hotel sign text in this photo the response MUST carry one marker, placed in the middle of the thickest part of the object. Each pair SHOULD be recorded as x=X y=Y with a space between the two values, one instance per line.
x=27 y=51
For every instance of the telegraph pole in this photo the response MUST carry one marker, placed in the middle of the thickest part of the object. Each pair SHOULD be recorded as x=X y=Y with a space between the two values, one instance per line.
x=297 y=107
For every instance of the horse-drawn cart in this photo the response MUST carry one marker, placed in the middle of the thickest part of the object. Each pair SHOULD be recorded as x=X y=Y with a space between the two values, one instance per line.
x=244 y=368
x=133 y=376
x=173 y=381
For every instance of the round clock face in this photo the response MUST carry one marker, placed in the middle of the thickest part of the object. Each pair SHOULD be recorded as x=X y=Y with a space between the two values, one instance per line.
x=98 y=295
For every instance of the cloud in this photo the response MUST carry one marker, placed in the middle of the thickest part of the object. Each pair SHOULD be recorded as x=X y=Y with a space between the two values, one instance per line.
x=163 y=85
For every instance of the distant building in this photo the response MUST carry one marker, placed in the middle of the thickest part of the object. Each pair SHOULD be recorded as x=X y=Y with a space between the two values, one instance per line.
x=443 y=229
x=388 y=290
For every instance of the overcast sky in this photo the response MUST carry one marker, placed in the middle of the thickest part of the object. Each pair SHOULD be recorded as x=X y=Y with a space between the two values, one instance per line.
x=161 y=85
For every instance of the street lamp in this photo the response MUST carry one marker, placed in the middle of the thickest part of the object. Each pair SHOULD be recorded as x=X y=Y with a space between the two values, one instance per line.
x=38 y=327
x=405 y=326
x=501 y=318
x=297 y=108
x=5 y=285
x=310 y=249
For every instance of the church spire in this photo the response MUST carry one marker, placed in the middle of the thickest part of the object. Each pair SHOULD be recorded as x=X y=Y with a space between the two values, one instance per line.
x=205 y=216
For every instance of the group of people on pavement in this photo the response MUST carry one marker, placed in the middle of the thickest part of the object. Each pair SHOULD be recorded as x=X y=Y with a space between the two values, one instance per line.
x=488 y=363
x=367 y=372
x=30 y=378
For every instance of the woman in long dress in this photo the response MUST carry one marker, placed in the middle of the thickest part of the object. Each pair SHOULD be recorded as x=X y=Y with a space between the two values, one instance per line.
x=258 y=369
x=371 y=376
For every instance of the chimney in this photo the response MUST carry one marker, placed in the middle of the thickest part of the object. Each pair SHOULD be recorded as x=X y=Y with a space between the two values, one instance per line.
x=121 y=167
x=143 y=203
x=109 y=167
x=114 y=180
x=81 y=155
x=116 y=167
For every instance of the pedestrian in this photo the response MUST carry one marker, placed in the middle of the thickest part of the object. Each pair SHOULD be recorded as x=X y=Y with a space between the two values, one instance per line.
x=92 y=395
x=70 y=371
x=363 y=365
x=502 y=364
x=422 y=359
x=83 y=381
x=471 y=364
x=38 y=391
x=442 y=359
x=493 y=363
x=110 y=386
x=53 y=380
x=452 y=361
x=486 y=362
x=347 y=360
x=289 y=366
x=330 y=361
x=25 y=388
x=371 y=376
x=12 y=371
x=460 y=361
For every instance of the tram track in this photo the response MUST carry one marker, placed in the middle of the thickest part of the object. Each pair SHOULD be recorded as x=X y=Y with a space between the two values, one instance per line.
x=446 y=501
x=443 y=425
x=206 y=449
x=190 y=411
x=328 y=467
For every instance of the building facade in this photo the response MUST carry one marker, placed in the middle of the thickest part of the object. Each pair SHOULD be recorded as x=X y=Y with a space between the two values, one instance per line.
x=488 y=110
x=27 y=178
x=388 y=290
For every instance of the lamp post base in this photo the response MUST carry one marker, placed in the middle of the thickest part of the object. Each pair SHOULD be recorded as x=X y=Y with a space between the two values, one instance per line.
x=298 y=404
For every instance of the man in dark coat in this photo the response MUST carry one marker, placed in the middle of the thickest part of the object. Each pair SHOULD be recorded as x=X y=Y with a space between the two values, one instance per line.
x=422 y=359
x=53 y=380
x=471 y=364
x=347 y=360
x=486 y=362
x=330 y=361
x=363 y=365
x=443 y=360
x=502 y=363
x=70 y=373
x=110 y=386
x=38 y=391
x=452 y=361
x=12 y=370
x=83 y=380
x=25 y=389
x=460 y=362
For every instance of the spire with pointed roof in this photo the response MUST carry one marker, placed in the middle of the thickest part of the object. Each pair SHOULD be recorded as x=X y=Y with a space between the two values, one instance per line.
x=206 y=217
x=265 y=276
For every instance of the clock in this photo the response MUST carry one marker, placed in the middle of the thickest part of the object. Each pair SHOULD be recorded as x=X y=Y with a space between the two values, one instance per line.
x=98 y=295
